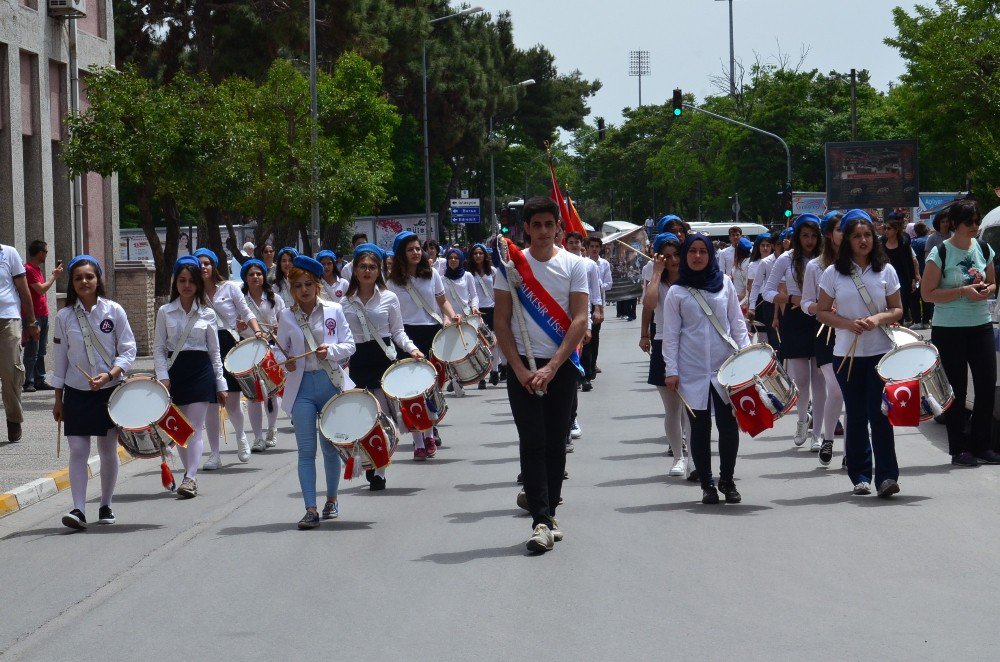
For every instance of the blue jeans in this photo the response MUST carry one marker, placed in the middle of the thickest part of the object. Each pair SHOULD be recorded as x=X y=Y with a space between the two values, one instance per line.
x=863 y=405
x=314 y=392
x=34 y=355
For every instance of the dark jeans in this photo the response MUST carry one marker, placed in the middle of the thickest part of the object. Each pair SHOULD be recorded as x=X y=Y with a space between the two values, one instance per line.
x=34 y=355
x=542 y=427
x=701 y=442
x=588 y=358
x=965 y=349
x=863 y=406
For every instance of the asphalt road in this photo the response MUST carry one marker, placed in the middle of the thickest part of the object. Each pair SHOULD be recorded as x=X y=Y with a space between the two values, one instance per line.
x=435 y=567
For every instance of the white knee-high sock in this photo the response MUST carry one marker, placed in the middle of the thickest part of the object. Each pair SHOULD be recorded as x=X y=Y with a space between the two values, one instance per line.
x=800 y=372
x=107 y=447
x=834 y=402
x=272 y=416
x=234 y=408
x=255 y=412
x=418 y=440
x=674 y=413
x=79 y=453
x=212 y=426
x=818 y=391
x=196 y=413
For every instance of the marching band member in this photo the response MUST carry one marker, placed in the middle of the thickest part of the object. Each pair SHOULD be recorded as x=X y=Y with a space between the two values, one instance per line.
x=187 y=360
x=376 y=322
x=834 y=401
x=357 y=239
x=460 y=290
x=694 y=349
x=91 y=333
x=759 y=311
x=862 y=274
x=666 y=271
x=433 y=250
x=231 y=311
x=797 y=329
x=283 y=263
x=422 y=301
x=265 y=308
x=334 y=285
x=319 y=328
x=740 y=269
x=480 y=265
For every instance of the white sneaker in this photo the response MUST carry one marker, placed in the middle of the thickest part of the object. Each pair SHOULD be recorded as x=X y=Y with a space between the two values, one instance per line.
x=214 y=462
x=258 y=445
x=557 y=533
x=817 y=444
x=801 y=432
x=271 y=439
x=244 y=449
x=678 y=468
x=575 y=431
x=541 y=539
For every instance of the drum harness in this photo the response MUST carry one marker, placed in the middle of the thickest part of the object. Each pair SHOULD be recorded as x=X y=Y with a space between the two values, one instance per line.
x=222 y=324
x=869 y=303
x=481 y=279
x=192 y=318
x=454 y=291
x=412 y=291
x=336 y=377
x=87 y=331
x=367 y=327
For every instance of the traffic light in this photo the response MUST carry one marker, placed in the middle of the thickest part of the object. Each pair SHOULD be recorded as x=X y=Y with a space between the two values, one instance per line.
x=787 y=203
x=678 y=102
x=600 y=128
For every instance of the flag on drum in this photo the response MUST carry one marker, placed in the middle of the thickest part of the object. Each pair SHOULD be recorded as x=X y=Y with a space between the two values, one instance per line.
x=901 y=403
x=176 y=426
x=376 y=447
x=752 y=413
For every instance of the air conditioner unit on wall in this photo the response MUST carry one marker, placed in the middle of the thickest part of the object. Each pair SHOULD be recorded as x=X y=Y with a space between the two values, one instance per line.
x=67 y=8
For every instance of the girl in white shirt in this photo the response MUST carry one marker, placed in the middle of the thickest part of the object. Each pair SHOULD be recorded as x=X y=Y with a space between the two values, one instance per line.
x=693 y=352
x=480 y=265
x=740 y=271
x=460 y=290
x=761 y=260
x=282 y=264
x=81 y=403
x=377 y=326
x=187 y=360
x=265 y=307
x=334 y=285
x=424 y=307
x=842 y=307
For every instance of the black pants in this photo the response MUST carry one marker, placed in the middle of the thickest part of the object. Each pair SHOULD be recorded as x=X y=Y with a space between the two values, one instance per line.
x=542 y=427
x=588 y=357
x=920 y=310
x=907 y=297
x=701 y=442
x=965 y=349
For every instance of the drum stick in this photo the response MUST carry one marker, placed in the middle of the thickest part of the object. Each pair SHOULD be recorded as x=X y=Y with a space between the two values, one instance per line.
x=58 y=438
x=83 y=371
x=222 y=424
x=633 y=249
x=678 y=392
x=829 y=332
x=296 y=358
x=821 y=327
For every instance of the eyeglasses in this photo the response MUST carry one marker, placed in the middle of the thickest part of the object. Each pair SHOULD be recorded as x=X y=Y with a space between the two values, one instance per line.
x=367 y=267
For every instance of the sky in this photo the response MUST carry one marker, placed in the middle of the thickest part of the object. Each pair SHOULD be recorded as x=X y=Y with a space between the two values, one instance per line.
x=688 y=40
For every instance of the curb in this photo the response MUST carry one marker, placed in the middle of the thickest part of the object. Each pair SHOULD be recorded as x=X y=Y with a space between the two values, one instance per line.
x=42 y=488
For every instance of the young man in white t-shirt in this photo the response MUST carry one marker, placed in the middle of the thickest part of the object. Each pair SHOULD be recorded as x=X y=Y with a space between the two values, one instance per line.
x=15 y=309
x=543 y=421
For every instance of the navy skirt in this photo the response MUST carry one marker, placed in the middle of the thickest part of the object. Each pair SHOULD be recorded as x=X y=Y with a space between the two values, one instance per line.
x=422 y=336
x=657 y=367
x=368 y=364
x=487 y=314
x=824 y=348
x=192 y=378
x=226 y=343
x=798 y=334
x=85 y=413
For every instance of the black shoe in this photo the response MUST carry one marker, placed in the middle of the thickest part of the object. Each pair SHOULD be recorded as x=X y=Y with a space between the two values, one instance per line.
x=44 y=387
x=520 y=479
x=29 y=388
x=450 y=388
x=728 y=489
x=74 y=519
x=709 y=495
x=14 y=431
x=309 y=521
x=369 y=474
x=377 y=484
x=694 y=476
x=587 y=386
x=437 y=437
x=482 y=384
x=965 y=459
x=988 y=457
x=503 y=373
x=565 y=475
x=826 y=452
x=105 y=516
x=494 y=377
x=839 y=430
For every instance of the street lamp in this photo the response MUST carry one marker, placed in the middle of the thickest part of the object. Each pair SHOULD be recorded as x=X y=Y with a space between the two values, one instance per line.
x=493 y=184
x=732 y=52
x=427 y=146
x=314 y=115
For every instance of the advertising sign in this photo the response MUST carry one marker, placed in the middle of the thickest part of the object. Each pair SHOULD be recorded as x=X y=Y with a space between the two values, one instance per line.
x=880 y=173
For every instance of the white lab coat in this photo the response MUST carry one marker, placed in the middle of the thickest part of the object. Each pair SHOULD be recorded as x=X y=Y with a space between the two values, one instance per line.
x=339 y=342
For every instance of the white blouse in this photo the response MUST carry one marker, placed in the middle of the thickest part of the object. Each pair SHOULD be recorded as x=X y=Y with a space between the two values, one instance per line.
x=484 y=288
x=268 y=318
x=740 y=273
x=692 y=349
x=429 y=289
x=461 y=293
x=850 y=305
x=111 y=330
x=170 y=323
x=781 y=272
x=229 y=305
x=658 y=311
x=384 y=313
x=760 y=277
x=810 y=284
x=336 y=291
x=284 y=290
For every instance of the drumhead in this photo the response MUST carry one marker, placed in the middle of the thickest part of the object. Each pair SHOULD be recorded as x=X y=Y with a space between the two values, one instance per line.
x=246 y=355
x=903 y=336
x=138 y=403
x=448 y=344
x=907 y=362
x=408 y=378
x=742 y=366
x=349 y=416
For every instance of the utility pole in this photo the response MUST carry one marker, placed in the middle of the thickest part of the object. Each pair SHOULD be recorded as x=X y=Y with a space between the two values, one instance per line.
x=854 y=104
x=732 y=52
x=314 y=134
x=638 y=65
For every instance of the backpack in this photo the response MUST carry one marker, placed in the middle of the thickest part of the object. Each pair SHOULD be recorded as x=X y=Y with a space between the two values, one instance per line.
x=942 y=253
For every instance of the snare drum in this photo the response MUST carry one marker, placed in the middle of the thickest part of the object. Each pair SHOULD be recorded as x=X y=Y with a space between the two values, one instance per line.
x=354 y=422
x=757 y=363
x=919 y=361
x=136 y=406
x=485 y=331
x=252 y=364
x=411 y=387
x=902 y=336
x=466 y=352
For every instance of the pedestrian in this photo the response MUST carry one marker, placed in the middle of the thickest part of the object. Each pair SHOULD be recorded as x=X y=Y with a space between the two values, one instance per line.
x=357 y=239
x=541 y=397
x=650 y=225
x=267 y=257
x=727 y=255
x=920 y=311
x=376 y=322
x=859 y=297
x=425 y=308
x=38 y=286
x=433 y=250
x=959 y=277
x=266 y=308
x=187 y=360
x=942 y=230
x=760 y=312
x=15 y=302
x=574 y=244
x=480 y=265
x=903 y=260
x=334 y=285
x=232 y=315
x=594 y=247
x=460 y=290
x=739 y=271
x=238 y=259
x=283 y=264
x=319 y=328
x=91 y=335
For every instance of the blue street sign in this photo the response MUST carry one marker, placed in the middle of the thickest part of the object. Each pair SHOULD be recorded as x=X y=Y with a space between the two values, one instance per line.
x=465 y=210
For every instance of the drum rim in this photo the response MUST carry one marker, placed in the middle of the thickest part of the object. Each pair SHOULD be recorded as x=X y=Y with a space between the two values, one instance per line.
x=923 y=344
x=352 y=391
x=746 y=350
x=113 y=398
x=444 y=329
x=242 y=343
x=403 y=362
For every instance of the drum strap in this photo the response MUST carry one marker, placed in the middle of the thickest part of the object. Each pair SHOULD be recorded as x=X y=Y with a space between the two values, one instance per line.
x=87 y=331
x=369 y=330
x=466 y=310
x=700 y=298
x=222 y=324
x=869 y=303
x=336 y=378
x=192 y=318
x=255 y=309
x=412 y=291
x=486 y=285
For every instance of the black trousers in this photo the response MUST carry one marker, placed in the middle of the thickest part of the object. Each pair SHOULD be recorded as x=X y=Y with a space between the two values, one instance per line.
x=966 y=349
x=701 y=439
x=588 y=357
x=542 y=427
x=920 y=311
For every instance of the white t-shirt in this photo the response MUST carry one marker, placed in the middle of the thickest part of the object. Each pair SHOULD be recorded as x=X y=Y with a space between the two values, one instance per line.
x=594 y=283
x=726 y=258
x=11 y=266
x=429 y=289
x=647 y=272
x=561 y=275
x=847 y=299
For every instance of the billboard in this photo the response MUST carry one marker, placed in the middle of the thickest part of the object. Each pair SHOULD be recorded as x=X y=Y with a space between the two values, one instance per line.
x=880 y=173
x=382 y=230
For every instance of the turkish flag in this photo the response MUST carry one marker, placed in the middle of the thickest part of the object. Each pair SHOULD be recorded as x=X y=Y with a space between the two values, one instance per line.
x=176 y=426
x=902 y=403
x=416 y=416
x=376 y=447
x=271 y=368
x=752 y=414
x=441 y=368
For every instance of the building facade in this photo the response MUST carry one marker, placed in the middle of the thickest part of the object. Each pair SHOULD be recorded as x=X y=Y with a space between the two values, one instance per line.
x=36 y=191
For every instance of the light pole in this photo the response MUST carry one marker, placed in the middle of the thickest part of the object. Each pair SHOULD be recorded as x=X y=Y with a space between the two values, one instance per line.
x=638 y=65
x=732 y=52
x=314 y=114
x=493 y=181
x=427 y=144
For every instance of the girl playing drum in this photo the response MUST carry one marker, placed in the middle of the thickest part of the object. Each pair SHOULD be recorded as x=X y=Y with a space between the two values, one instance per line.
x=283 y=262
x=480 y=265
x=334 y=286
x=265 y=308
x=460 y=290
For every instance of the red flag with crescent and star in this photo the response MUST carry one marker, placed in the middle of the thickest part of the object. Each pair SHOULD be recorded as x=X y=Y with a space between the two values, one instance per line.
x=752 y=414
x=176 y=426
x=902 y=400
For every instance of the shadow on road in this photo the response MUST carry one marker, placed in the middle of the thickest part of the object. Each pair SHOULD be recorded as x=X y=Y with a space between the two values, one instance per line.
x=847 y=497
x=501 y=444
x=454 y=558
x=290 y=527
x=499 y=460
x=142 y=496
x=479 y=487
x=634 y=416
x=634 y=456
x=472 y=518
x=389 y=491
x=628 y=482
x=695 y=508
x=647 y=440
x=98 y=529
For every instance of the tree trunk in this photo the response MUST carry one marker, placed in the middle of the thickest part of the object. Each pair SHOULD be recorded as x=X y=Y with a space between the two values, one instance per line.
x=172 y=217
x=163 y=268
x=214 y=238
